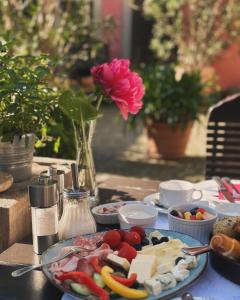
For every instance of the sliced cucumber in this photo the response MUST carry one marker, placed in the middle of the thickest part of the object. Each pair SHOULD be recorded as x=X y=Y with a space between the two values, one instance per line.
x=80 y=289
x=98 y=280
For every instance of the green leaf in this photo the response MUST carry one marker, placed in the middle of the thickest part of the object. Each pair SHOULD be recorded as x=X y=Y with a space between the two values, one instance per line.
x=76 y=106
x=44 y=132
x=39 y=144
x=57 y=145
x=41 y=71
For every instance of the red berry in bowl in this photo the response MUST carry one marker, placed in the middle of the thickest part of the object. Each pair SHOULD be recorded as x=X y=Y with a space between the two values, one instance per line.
x=112 y=238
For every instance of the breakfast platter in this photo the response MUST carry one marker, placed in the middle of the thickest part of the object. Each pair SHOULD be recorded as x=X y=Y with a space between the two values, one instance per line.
x=155 y=269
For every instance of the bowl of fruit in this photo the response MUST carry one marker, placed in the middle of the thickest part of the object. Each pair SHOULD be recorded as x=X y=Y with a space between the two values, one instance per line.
x=196 y=221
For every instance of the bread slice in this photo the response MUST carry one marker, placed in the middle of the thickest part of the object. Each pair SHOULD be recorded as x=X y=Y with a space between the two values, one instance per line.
x=226 y=226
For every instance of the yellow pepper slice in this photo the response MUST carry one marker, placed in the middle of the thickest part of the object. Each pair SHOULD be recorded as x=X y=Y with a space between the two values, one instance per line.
x=119 y=288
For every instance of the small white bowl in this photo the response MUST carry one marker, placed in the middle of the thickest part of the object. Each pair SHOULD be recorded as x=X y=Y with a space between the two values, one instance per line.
x=137 y=214
x=110 y=218
x=228 y=209
x=199 y=229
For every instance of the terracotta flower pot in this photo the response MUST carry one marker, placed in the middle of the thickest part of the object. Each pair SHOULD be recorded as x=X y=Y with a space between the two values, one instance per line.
x=167 y=142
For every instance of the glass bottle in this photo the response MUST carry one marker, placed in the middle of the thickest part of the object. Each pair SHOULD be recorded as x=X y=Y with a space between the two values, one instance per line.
x=76 y=218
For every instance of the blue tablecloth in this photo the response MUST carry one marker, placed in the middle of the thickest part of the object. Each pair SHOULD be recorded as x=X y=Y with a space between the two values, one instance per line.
x=210 y=284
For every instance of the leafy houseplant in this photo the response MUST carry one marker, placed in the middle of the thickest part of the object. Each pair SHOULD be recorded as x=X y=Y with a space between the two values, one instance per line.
x=171 y=104
x=26 y=103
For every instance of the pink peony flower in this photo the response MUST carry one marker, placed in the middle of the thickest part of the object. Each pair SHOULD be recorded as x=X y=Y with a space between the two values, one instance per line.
x=124 y=86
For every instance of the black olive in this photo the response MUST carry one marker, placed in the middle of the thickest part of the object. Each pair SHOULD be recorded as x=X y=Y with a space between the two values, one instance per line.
x=178 y=259
x=145 y=242
x=155 y=240
x=163 y=239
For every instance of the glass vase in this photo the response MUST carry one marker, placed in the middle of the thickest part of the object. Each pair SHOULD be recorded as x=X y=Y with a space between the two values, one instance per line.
x=84 y=158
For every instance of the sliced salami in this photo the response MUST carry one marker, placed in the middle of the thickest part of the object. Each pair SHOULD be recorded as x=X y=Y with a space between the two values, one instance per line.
x=88 y=243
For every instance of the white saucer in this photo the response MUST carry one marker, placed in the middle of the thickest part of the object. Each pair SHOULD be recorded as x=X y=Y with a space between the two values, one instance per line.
x=209 y=199
x=153 y=199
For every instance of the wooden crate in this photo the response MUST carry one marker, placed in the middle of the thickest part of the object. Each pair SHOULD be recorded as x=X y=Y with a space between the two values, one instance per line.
x=15 y=216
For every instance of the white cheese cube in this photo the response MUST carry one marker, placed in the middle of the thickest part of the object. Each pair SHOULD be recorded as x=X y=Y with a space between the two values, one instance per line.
x=153 y=286
x=191 y=261
x=167 y=280
x=144 y=267
x=180 y=273
x=119 y=261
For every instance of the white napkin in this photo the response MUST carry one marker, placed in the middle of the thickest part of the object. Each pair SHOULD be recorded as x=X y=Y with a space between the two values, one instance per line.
x=207 y=185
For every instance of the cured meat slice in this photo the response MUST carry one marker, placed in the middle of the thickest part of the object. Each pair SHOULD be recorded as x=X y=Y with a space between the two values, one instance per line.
x=88 y=242
x=85 y=266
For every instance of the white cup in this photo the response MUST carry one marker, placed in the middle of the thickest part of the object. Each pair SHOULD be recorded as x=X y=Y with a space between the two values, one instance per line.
x=177 y=192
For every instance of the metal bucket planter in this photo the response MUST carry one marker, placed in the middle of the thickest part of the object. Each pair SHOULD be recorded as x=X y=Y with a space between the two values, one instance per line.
x=16 y=157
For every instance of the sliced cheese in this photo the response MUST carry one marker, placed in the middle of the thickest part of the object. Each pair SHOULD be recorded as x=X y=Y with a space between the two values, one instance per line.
x=119 y=261
x=165 y=253
x=146 y=258
x=144 y=266
x=164 y=268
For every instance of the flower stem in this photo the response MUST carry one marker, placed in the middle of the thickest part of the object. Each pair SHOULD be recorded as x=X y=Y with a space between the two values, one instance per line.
x=99 y=101
x=88 y=159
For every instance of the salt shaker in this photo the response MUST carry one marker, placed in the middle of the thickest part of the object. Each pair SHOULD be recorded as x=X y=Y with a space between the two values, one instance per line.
x=77 y=218
x=44 y=210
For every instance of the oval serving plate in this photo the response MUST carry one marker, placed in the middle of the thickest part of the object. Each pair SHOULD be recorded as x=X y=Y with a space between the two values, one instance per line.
x=195 y=273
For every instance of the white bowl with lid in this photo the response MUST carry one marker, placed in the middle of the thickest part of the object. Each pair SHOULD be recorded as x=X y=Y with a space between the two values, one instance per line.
x=137 y=214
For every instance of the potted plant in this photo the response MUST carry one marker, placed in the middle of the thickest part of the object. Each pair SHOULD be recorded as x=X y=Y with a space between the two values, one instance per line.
x=26 y=102
x=171 y=104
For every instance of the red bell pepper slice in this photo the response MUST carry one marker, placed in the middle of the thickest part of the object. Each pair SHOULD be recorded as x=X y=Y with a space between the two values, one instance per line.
x=83 y=278
x=126 y=281
x=94 y=261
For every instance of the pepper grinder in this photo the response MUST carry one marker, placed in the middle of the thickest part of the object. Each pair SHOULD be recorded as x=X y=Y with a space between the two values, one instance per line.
x=44 y=209
x=59 y=176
